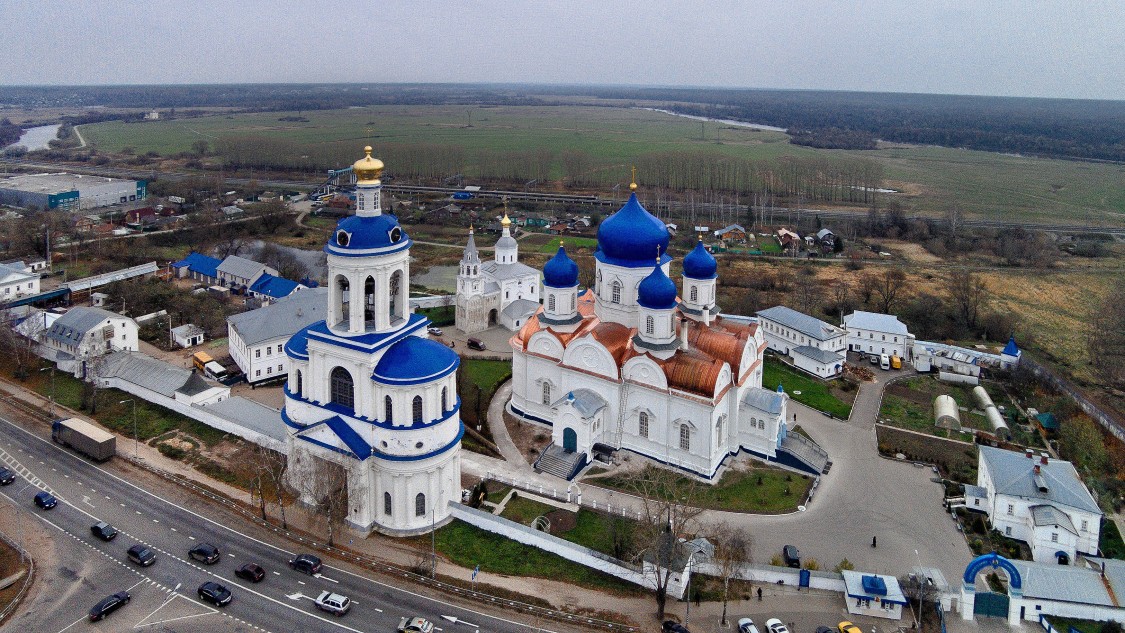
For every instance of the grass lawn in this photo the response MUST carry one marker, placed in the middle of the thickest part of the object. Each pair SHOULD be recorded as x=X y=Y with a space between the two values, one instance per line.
x=814 y=393
x=441 y=315
x=1062 y=625
x=592 y=529
x=581 y=242
x=470 y=546
x=762 y=490
x=1111 y=544
x=769 y=246
x=488 y=374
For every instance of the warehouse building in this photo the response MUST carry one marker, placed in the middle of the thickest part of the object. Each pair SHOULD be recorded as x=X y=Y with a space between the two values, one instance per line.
x=70 y=192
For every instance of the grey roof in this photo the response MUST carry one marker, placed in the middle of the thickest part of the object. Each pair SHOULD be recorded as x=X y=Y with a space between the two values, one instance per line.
x=1114 y=572
x=822 y=356
x=728 y=229
x=501 y=272
x=491 y=287
x=771 y=402
x=1066 y=583
x=187 y=330
x=1045 y=515
x=250 y=414
x=96 y=281
x=194 y=386
x=470 y=255
x=146 y=371
x=808 y=325
x=975 y=491
x=283 y=318
x=823 y=233
x=72 y=326
x=11 y=271
x=236 y=266
x=520 y=308
x=585 y=401
x=506 y=241
x=1013 y=474
x=876 y=322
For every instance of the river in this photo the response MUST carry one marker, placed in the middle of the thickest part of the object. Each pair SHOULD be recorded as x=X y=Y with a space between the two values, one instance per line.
x=38 y=137
x=755 y=126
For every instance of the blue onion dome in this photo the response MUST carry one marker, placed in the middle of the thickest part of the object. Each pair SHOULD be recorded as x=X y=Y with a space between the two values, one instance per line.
x=415 y=360
x=700 y=264
x=657 y=291
x=630 y=236
x=560 y=271
x=367 y=235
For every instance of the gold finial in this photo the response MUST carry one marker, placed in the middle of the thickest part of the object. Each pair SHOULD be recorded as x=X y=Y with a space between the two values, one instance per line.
x=367 y=169
x=633 y=183
x=506 y=222
x=560 y=243
x=657 y=254
x=367 y=149
x=470 y=228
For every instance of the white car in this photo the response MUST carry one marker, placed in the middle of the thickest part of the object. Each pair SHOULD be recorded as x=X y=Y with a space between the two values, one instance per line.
x=415 y=625
x=333 y=603
x=773 y=625
x=434 y=331
x=746 y=625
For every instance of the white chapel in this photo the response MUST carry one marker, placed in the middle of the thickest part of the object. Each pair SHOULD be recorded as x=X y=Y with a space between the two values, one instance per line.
x=502 y=291
x=368 y=391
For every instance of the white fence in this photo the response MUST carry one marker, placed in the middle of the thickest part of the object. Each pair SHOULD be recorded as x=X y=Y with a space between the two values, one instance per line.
x=573 y=494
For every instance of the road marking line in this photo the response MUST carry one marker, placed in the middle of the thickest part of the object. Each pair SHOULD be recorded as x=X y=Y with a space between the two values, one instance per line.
x=72 y=624
x=191 y=537
x=156 y=520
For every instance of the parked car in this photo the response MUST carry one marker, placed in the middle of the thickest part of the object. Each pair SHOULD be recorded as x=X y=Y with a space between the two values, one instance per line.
x=333 y=603
x=251 y=572
x=874 y=358
x=746 y=625
x=205 y=553
x=108 y=605
x=45 y=500
x=848 y=627
x=884 y=361
x=434 y=331
x=214 y=593
x=6 y=476
x=825 y=629
x=415 y=625
x=773 y=625
x=306 y=564
x=141 y=555
x=671 y=626
x=104 y=531
x=477 y=344
x=791 y=555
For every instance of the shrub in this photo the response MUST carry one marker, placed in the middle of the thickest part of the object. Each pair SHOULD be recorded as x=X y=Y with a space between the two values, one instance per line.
x=172 y=452
x=812 y=565
x=776 y=561
x=844 y=565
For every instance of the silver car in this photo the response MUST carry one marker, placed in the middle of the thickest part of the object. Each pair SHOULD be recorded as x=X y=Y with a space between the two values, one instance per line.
x=333 y=603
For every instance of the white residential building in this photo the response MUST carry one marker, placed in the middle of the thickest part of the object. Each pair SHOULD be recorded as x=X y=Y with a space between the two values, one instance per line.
x=83 y=334
x=1037 y=500
x=257 y=338
x=17 y=281
x=877 y=333
x=813 y=345
x=187 y=335
x=237 y=271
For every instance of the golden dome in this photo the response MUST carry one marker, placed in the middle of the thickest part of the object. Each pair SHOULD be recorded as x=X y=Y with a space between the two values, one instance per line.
x=505 y=222
x=367 y=169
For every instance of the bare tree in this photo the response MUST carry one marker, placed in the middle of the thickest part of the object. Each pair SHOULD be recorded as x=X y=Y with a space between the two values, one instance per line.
x=19 y=348
x=841 y=291
x=969 y=295
x=919 y=589
x=274 y=465
x=732 y=551
x=887 y=287
x=325 y=486
x=667 y=514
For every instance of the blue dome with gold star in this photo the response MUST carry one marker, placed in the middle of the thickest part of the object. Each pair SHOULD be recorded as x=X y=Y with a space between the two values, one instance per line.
x=700 y=264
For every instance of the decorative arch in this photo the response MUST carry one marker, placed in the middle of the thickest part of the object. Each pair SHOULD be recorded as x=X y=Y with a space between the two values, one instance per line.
x=388 y=410
x=369 y=300
x=396 y=303
x=341 y=301
x=993 y=560
x=300 y=384
x=991 y=602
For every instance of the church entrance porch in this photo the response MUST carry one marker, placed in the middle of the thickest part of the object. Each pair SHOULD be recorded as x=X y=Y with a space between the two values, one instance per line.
x=570 y=440
x=556 y=460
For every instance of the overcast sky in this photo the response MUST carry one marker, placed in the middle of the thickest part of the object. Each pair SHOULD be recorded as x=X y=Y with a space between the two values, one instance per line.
x=1065 y=48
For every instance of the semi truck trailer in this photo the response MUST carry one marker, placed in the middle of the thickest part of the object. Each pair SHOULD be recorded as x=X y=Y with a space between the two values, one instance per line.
x=95 y=443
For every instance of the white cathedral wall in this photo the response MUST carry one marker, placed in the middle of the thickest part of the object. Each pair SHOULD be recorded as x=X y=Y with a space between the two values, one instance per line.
x=624 y=312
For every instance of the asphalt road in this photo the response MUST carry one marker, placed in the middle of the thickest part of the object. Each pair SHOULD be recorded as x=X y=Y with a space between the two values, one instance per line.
x=164 y=594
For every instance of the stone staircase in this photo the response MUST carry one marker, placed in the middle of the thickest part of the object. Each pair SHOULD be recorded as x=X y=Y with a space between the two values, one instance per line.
x=559 y=462
x=800 y=452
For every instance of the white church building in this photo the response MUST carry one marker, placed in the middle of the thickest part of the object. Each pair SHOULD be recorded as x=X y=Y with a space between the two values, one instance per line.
x=629 y=365
x=368 y=393
x=502 y=291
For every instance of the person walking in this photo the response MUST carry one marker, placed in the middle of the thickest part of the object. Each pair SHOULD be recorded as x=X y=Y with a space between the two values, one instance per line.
x=759 y=594
x=874 y=542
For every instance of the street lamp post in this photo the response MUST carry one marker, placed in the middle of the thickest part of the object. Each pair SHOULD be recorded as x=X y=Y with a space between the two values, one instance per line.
x=51 y=406
x=136 y=443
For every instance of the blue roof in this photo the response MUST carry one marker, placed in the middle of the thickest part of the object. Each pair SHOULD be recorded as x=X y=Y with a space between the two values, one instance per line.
x=200 y=263
x=348 y=435
x=657 y=291
x=1010 y=349
x=367 y=235
x=274 y=287
x=632 y=237
x=700 y=264
x=298 y=345
x=560 y=271
x=415 y=360
x=1048 y=421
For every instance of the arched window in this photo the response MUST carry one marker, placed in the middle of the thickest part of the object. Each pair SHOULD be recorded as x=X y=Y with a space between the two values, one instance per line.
x=388 y=410
x=546 y=393
x=342 y=393
x=417 y=409
x=650 y=325
x=573 y=299
x=420 y=505
x=616 y=293
x=369 y=299
x=719 y=430
x=387 y=503
x=642 y=424
x=685 y=437
x=300 y=385
x=343 y=288
x=444 y=403
x=550 y=303
x=694 y=293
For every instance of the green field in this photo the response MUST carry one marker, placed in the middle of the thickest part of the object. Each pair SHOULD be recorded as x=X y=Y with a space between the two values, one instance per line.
x=814 y=392
x=932 y=179
x=581 y=242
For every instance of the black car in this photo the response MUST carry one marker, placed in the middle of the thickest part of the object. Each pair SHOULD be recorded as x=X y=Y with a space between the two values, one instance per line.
x=251 y=572
x=306 y=564
x=141 y=555
x=214 y=593
x=6 y=476
x=109 y=604
x=104 y=531
x=671 y=626
x=205 y=553
x=46 y=500
x=791 y=556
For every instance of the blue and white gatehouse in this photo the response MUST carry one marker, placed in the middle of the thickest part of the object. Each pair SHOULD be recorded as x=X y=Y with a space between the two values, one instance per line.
x=991 y=604
x=369 y=394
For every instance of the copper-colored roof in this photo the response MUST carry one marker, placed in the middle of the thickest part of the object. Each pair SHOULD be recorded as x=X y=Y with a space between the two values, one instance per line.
x=719 y=342
x=617 y=339
x=693 y=372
